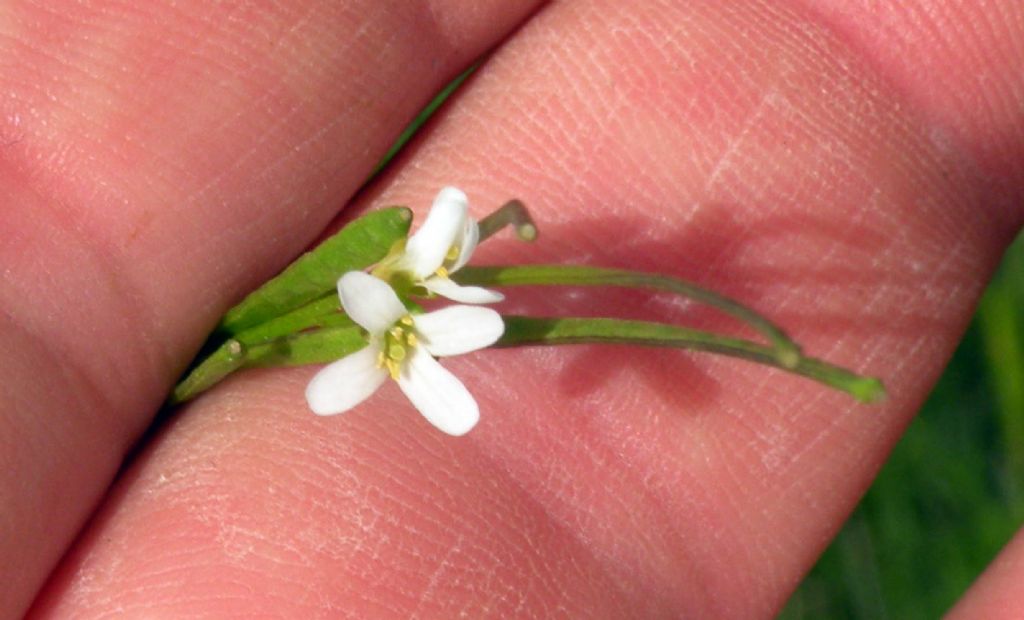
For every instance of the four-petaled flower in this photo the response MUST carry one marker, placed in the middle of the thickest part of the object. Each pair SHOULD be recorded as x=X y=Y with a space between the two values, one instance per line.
x=403 y=346
x=439 y=248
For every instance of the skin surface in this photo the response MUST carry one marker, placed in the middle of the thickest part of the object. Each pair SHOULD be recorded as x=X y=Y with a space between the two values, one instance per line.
x=851 y=171
x=996 y=594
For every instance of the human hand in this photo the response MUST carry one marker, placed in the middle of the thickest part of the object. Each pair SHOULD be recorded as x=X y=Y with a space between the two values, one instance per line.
x=851 y=172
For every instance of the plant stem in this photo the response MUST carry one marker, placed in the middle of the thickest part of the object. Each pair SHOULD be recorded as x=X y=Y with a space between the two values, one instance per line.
x=512 y=213
x=785 y=351
x=521 y=331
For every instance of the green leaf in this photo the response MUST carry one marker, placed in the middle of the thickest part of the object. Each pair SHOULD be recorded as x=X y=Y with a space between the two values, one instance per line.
x=358 y=245
x=324 y=312
x=320 y=346
x=226 y=359
x=785 y=351
x=521 y=331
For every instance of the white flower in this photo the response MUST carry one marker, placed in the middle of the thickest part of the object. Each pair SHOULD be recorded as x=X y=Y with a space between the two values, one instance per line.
x=441 y=247
x=403 y=346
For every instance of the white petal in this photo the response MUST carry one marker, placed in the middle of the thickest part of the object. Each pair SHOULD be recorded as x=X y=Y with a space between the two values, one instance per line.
x=458 y=329
x=425 y=251
x=467 y=242
x=465 y=294
x=370 y=301
x=438 y=394
x=345 y=383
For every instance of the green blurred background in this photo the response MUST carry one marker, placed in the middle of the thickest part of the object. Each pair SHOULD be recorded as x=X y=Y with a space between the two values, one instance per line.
x=951 y=495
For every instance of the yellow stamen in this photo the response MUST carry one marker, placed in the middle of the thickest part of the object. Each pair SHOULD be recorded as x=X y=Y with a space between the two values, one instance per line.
x=442 y=272
x=453 y=253
x=394 y=349
x=392 y=367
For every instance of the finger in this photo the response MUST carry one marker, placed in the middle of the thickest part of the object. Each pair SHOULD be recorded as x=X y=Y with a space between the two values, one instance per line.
x=742 y=146
x=996 y=594
x=938 y=58
x=157 y=161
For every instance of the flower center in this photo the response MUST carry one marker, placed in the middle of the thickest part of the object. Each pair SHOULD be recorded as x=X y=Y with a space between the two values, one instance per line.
x=395 y=348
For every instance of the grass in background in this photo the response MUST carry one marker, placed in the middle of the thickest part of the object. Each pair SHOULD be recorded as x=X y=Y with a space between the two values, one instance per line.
x=951 y=495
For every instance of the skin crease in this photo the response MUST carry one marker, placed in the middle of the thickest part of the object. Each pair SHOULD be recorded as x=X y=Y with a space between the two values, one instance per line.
x=126 y=128
x=787 y=155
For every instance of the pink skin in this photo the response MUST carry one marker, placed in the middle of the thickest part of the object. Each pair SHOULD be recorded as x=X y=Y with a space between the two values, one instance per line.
x=849 y=171
x=996 y=595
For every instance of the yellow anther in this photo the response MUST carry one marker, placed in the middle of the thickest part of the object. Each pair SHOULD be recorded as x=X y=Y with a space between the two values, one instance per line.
x=396 y=342
x=453 y=253
x=441 y=272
